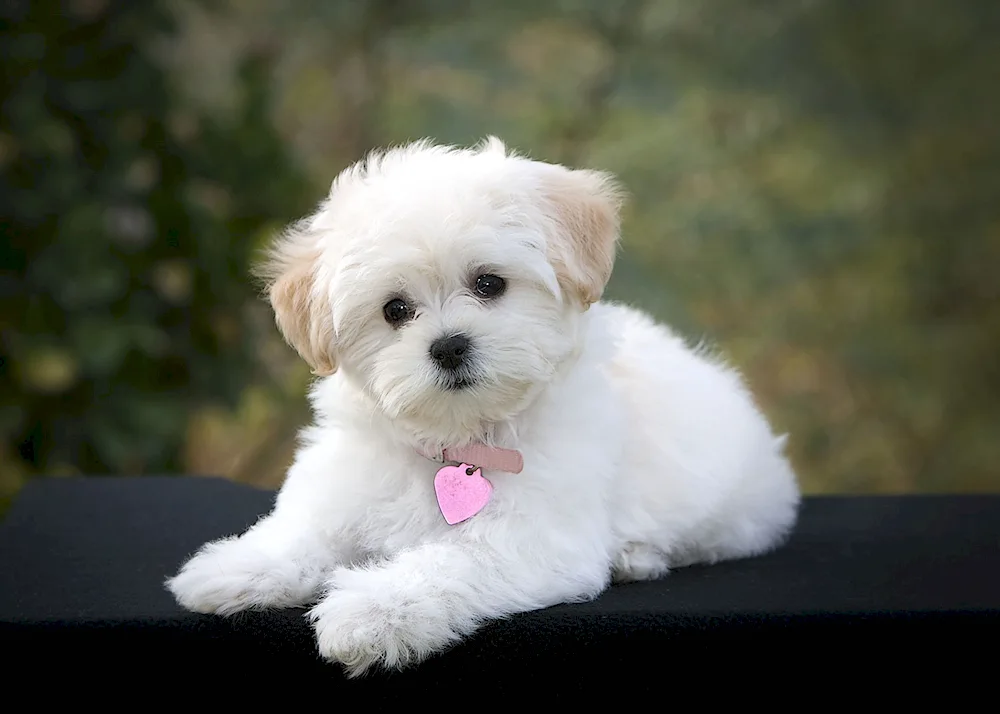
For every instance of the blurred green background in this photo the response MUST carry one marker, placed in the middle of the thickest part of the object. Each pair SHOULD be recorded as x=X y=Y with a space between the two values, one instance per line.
x=815 y=189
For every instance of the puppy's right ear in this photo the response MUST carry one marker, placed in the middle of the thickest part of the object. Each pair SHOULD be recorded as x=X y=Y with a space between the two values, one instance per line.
x=584 y=209
x=301 y=307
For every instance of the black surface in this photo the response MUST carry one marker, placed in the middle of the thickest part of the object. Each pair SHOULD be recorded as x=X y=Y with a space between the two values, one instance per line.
x=894 y=580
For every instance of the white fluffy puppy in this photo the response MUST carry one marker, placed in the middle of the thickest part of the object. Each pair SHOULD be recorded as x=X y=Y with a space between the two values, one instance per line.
x=449 y=300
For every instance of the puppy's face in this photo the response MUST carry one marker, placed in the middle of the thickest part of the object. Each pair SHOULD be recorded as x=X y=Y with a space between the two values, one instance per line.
x=446 y=283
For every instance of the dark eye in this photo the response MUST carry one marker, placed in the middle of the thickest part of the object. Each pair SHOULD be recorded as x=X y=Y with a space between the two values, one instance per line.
x=490 y=286
x=397 y=312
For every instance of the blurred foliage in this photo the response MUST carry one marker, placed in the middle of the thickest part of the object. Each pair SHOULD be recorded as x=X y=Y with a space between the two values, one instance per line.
x=815 y=188
x=128 y=223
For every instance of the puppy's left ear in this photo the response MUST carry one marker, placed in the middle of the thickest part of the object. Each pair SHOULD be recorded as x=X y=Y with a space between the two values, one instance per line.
x=583 y=207
x=301 y=310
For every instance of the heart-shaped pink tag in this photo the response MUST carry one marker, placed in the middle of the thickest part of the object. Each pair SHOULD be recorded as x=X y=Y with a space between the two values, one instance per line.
x=461 y=492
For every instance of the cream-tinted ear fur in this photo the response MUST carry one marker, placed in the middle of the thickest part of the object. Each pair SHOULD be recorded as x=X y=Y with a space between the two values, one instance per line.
x=301 y=311
x=584 y=207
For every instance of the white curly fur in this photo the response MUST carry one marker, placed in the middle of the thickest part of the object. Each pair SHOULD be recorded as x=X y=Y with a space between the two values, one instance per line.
x=641 y=453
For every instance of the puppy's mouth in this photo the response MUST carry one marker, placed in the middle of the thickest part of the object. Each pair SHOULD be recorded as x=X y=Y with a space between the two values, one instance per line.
x=459 y=383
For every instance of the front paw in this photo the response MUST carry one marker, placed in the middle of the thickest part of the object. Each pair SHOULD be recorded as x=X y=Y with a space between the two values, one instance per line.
x=227 y=576
x=361 y=624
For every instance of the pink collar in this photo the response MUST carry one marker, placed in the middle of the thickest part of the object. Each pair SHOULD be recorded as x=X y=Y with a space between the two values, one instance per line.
x=490 y=458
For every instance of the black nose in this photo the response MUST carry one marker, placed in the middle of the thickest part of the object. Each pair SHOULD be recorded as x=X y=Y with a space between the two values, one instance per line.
x=450 y=352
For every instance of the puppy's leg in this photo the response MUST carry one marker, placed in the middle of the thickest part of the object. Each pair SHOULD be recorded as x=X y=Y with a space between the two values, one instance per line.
x=398 y=613
x=277 y=563
x=640 y=561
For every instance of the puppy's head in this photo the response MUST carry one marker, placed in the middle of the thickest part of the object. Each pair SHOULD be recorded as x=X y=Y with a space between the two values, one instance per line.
x=447 y=283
